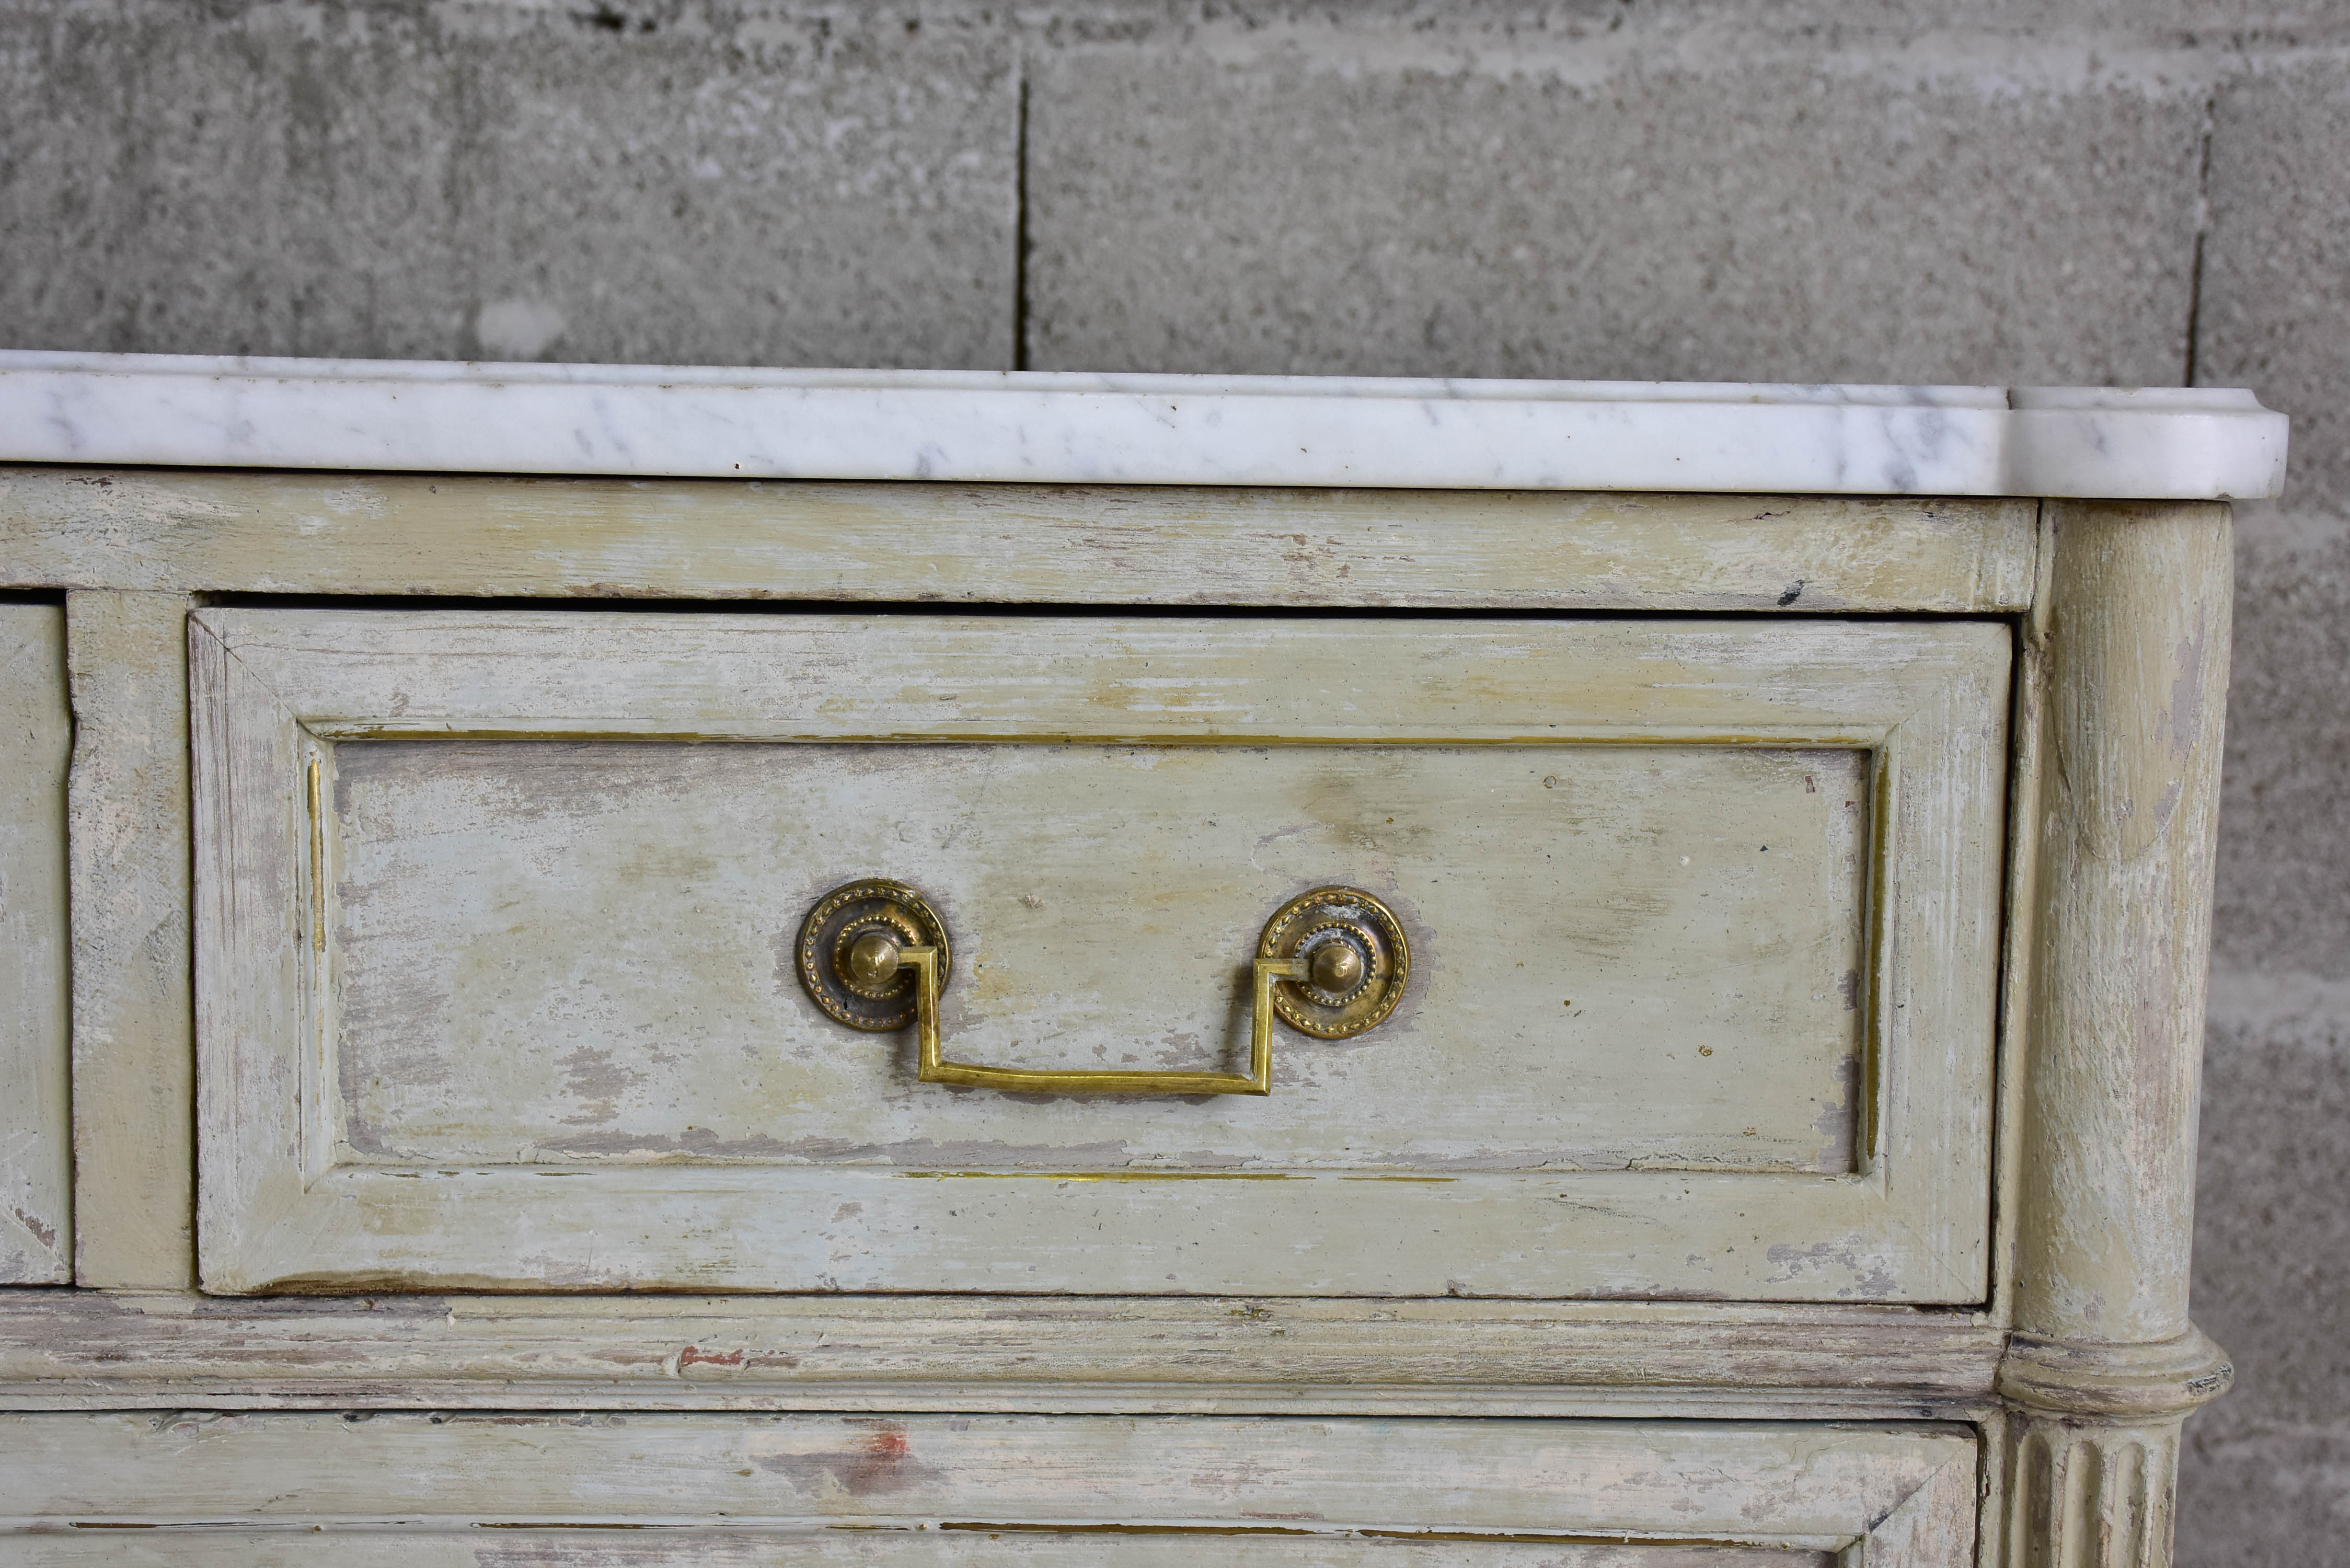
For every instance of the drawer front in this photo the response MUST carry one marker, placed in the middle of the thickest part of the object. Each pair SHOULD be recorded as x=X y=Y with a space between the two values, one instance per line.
x=500 y=959
x=508 y=1491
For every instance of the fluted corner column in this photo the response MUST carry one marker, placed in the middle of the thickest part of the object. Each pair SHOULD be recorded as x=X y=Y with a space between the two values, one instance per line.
x=2092 y=1455
x=2103 y=1365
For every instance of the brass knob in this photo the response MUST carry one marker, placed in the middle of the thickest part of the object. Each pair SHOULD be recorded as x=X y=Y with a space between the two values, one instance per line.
x=1352 y=956
x=853 y=946
x=1335 y=966
x=873 y=959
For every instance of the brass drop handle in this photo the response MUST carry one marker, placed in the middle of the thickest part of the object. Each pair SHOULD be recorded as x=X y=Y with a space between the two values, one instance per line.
x=1331 y=963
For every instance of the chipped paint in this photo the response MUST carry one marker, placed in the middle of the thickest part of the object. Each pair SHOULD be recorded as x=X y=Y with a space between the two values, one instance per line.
x=509 y=919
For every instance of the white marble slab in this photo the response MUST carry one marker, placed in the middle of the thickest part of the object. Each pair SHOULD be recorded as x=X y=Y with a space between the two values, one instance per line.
x=1035 y=428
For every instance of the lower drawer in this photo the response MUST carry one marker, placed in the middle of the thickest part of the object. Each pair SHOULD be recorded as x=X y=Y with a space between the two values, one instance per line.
x=419 y=1490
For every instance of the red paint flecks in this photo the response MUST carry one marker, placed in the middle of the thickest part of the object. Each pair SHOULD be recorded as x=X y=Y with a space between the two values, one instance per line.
x=880 y=1459
x=694 y=1355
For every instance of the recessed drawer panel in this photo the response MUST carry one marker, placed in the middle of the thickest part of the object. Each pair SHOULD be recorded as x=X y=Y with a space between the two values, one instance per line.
x=584 y=952
x=1681 y=936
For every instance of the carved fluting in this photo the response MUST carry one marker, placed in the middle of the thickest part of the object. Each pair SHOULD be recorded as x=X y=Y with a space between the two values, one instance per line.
x=2092 y=1452
x=2091 y=1494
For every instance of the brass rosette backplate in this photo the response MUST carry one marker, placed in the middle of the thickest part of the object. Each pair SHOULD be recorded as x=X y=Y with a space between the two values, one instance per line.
x=1373 y=983
x=840 y=918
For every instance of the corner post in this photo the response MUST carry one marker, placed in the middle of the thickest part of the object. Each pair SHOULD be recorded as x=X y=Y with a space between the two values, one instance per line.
x=2103 y=1367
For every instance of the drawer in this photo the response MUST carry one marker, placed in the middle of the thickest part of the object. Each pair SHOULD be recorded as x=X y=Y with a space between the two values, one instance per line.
x=1681 y=940
x=542 y=1492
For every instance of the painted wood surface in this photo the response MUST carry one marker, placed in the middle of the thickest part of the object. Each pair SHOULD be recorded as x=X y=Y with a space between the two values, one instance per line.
x=1262 y=1546
x=133 y=1044
x=2096 y=1108
x=36 y=1114
x=1709 y=730
x=2133 y=666
x=1903 y=1495
x=2140 y=604
x=1006 y=544
x=971 y=1354
x=1629 y=956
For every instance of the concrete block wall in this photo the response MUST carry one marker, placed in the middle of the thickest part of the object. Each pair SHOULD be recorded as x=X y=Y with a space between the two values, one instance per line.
x=2132 y=192
x=507 y=180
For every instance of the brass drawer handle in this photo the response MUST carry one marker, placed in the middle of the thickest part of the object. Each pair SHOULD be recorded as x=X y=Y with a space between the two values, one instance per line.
x=1331 y=963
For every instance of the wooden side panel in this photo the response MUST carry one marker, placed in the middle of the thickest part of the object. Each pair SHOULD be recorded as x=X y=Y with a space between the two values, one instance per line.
x=35 y=1134
x=979 y=1192
x=133 y=1047
x=1324 y=1483
x=1005 y=543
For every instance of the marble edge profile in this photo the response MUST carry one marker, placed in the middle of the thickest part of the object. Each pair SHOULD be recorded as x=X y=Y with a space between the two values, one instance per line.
x=674 y=421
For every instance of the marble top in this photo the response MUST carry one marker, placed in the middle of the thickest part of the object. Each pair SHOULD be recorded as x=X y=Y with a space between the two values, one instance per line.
x=2154 y=442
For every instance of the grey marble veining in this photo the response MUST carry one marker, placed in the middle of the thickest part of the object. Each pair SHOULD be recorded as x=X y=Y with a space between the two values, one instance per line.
x=2167 y=443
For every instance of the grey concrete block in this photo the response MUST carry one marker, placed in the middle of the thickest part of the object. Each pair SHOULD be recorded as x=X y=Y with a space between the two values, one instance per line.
x=2276 y=313
x=2272 y=1194
x=591 y=182
x=2262 y=1496
x=2264 y=1480
x=1820 y=23
x=1332 y=202
x=2283 y=897
x=2265 y=1477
